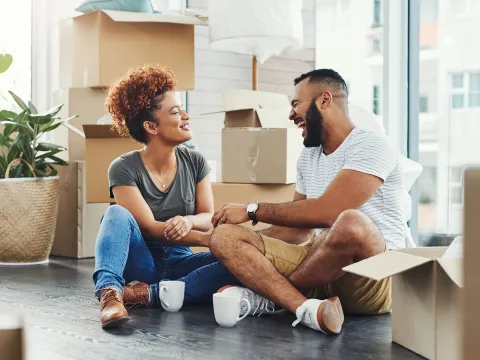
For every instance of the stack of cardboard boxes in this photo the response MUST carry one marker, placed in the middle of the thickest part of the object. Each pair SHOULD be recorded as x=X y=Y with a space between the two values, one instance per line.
x=260 y=148
x=97 y=48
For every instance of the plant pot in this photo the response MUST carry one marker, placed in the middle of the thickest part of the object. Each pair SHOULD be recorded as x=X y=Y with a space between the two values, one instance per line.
x=28 y=217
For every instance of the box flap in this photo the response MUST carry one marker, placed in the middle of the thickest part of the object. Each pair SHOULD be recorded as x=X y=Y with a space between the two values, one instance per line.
x=386 y=264
x=454 y=269
x=127 y=16
x=100 y=132
x=74 y=129
x=270 y=118
x=239 y=99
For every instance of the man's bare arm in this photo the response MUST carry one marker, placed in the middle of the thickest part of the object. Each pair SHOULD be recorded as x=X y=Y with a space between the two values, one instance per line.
x=349 y=190
x=288 y=234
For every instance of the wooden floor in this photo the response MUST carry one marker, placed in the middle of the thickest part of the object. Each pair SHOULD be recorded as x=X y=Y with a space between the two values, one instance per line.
x=61 y=316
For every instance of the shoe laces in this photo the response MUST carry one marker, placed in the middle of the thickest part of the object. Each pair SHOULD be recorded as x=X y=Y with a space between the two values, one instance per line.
x=263 y=305
x=142 y=298
x=110 y=294
x=301 y=311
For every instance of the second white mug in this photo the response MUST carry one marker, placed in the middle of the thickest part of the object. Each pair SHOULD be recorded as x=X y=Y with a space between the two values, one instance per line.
x=227 y=309
x=171 y=295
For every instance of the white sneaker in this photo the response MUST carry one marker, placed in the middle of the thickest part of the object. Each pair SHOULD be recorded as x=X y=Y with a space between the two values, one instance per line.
x=321 y=315
x=259 y=304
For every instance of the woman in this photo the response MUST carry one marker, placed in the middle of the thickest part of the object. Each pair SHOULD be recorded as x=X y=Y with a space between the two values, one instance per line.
x=164 y=202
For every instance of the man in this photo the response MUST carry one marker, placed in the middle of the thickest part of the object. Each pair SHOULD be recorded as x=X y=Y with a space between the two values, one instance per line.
x=349 y=188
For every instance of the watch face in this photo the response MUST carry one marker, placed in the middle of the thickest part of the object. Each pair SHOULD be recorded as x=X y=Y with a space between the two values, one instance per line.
x=252 y=207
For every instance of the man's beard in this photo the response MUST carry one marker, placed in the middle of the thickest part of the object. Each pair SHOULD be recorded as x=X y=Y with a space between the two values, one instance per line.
x=314 y=126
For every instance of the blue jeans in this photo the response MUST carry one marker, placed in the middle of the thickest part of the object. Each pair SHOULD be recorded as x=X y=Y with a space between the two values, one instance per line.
x=122 y=255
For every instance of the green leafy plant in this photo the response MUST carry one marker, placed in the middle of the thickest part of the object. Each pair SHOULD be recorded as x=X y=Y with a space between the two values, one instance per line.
x=5 y=62
x=20 y=139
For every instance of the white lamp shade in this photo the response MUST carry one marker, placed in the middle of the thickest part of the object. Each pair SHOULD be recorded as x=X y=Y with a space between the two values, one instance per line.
x=262 y=28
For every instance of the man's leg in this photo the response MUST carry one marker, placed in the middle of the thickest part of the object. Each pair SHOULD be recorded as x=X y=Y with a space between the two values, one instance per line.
x=243 y=253
x=353 y=237
x=254 y=261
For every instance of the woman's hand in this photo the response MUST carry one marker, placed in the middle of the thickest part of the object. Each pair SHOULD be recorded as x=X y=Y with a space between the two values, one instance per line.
x=178 y=227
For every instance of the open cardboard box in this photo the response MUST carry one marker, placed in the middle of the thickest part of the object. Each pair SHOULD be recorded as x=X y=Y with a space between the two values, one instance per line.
x=247 y=108
x=88 y=104
x=471 y=313
x=426 y=291
x=98 y=47
x=259 y=144
x=102 y=146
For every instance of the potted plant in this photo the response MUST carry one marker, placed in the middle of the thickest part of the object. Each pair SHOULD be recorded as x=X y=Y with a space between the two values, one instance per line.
x=29 y=185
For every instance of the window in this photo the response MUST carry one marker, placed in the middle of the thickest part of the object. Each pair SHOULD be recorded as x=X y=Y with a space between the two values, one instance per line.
x=474 y=90
x=465 y=90
x=456 y=185
x=377 y=12
x=377 y=46
x=465 y=7
x=423 y=104
x=376 y=99
x=453 y=107
x=428 y=11
x=17 y=41
x=335 y=15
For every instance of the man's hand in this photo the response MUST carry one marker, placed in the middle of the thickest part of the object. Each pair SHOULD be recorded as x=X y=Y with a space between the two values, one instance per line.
x=230 y=214
x=178 y=227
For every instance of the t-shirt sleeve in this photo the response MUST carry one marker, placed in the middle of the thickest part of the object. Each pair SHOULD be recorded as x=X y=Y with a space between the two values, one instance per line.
x=300 y=186
x=202 y=169
x=120 y=172
x=373 y=154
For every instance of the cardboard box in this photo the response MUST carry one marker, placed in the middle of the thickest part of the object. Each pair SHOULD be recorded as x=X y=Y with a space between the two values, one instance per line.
x=246 y=108
x=89 y=105
x=244 y=193
x=260 y=156
x=78 y=222
x=102 y=146
x=426 y=291
x=471 y=313
x=260 y=145
x=98 y=47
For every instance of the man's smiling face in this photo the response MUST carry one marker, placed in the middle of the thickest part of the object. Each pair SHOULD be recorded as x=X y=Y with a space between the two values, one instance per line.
x=300 y=103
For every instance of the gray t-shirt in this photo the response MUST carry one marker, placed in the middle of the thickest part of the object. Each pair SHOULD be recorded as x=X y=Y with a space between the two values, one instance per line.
x=179 y=199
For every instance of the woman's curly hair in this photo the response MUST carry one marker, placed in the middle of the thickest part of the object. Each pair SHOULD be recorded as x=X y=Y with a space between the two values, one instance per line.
x=133 y=98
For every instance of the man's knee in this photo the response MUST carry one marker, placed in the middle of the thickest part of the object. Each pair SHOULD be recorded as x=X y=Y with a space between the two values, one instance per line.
x=227 y=238
x=357 y=231
x=222 y=239
x=352 y=225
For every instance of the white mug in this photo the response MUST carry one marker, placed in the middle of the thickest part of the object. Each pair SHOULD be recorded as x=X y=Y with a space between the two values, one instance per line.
x=171 y=295
x=226 y=308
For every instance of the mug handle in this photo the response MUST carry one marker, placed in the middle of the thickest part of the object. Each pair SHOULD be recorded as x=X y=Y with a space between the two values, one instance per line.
x=248 y=311
x=162 y=290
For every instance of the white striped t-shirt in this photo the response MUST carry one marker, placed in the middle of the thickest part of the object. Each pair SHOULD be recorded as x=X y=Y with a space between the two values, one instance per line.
x=367 y=152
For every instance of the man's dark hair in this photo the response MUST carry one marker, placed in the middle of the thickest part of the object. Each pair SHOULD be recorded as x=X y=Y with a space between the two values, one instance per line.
x=328 y=77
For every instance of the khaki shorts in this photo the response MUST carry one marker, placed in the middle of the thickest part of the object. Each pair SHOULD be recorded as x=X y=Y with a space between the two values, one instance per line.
x=358 y=295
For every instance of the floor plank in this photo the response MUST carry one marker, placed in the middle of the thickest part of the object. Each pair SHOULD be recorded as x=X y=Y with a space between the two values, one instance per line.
x=62 y=322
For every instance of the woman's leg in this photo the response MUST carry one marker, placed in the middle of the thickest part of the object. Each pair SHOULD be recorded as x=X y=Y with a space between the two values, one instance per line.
x=202 y=283
x=121 y=252
x=202 y=273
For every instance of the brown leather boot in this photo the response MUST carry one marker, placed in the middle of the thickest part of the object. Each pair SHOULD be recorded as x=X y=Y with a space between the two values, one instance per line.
x=136 y=294
x=112 y=310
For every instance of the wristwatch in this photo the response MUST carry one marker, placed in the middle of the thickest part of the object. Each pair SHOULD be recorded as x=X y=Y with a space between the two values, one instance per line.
x=252 y=212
